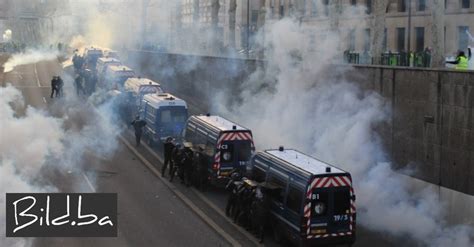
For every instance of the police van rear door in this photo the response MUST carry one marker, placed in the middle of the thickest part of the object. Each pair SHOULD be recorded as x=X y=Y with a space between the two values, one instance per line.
x=235 y=151
x=328 y=209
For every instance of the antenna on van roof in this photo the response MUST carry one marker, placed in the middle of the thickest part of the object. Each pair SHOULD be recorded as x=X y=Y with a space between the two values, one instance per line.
x=208 y=114
x=328 y=169
x=234 y=127
x=281 y=148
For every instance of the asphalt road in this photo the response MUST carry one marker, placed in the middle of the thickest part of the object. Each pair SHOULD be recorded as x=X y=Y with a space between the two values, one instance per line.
x=152 y=211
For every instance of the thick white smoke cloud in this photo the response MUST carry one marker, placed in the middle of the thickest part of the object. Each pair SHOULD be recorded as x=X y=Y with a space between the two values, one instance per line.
x=28 y=57
x=298 y=101
x=35 y=142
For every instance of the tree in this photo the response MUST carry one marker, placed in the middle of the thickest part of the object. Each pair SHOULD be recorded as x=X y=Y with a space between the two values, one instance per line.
x=232 y=10
x=378 y=24
x=215 y=6
x=437 y=30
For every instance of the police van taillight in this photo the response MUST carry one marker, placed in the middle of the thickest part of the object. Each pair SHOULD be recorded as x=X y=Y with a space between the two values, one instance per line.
x=215 y=166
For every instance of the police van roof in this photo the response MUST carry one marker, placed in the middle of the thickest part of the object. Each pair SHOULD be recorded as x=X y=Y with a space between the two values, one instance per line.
x=219 y=122
x=108 y=60
x=146 y=85
x=303 y=161
x=157 y=100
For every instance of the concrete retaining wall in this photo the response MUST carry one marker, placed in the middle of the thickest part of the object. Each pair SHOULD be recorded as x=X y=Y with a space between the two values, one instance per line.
x=432 y=124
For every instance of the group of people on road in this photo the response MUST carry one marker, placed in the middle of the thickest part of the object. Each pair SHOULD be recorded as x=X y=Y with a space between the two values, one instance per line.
x=248 y=204
x=85 y=80
x=57 y=87
x=188 y=163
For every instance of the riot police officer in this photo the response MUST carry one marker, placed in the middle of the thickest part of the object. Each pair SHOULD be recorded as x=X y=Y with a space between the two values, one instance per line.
x=177 y=158
x=232 y=186
x=259 y=212
x=168 y=151
x=187 y=165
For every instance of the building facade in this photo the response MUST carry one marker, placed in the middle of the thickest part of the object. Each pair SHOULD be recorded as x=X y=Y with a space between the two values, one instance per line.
x=355 y=22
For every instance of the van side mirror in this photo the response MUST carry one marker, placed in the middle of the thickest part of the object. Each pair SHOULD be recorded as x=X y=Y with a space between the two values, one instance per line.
x=353 y=197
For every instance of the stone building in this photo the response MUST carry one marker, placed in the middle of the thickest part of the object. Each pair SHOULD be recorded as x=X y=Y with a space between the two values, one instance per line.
x=355 y=22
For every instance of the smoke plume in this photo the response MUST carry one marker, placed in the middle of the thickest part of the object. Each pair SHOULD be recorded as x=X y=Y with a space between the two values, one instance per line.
x=300 y=101
x=28 y=57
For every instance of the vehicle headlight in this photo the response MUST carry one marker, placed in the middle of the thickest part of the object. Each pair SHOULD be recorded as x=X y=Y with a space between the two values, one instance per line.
x=319 y=208
x=226 y=156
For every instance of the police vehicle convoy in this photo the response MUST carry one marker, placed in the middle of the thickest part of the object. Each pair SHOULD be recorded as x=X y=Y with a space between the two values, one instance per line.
x=312 y=202
x=298 y=197
x=165 y=116
x=228 y=146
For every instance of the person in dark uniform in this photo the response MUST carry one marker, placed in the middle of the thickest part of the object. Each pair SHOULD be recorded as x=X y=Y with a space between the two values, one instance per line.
x=176 y=156
x=239 y=202
x=138 y=125
x=186 y=173
x=78 y=84
x=59 y=92
x=54 y=86
x=168 y=151
x=200 y=165
x=232 y=187
x=260 y=212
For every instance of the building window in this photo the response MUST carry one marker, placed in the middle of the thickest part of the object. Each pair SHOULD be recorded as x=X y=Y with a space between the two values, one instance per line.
x=367 y=39
x=420 y=38
x=353 y=2
x=401 y=39
x=421 y=6
x=465 y=4
x=314 y=7
x=272 y=8
x=402 y=5
x=463 y=38
x=326 y=7
x=384 y=42
x=352 y=40
x=368 y=4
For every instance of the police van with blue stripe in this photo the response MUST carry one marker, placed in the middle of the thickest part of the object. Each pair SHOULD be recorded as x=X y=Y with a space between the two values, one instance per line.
x=312 y=202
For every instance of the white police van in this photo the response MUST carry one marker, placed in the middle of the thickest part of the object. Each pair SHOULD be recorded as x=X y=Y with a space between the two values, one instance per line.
x=135 y=88
x=165 y=116
x=103 y=63
x=228 y=146
x=312 y=202
x=115 y=76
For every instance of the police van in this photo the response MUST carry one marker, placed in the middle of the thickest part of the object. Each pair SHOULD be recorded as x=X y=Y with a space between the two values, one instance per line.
x=228 y=146
x=115 y=76
x=91 y=55
x=165 y=116
x=312 y=202
x=136 y=87
x=102 y=64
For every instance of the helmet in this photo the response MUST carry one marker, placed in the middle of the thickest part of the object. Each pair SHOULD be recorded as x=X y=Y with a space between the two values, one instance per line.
x=235 y=176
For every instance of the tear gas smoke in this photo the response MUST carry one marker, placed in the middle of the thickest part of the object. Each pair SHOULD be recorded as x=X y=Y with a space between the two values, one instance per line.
x=28 y=57
x=36 y=142
x=7 y=35
x=299 y=101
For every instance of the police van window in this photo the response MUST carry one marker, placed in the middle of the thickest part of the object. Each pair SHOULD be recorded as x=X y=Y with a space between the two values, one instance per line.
x=294 y=198
x=165 y=116
x=281 y=184
x=342 y=202
x=244 y=151
x=259 y=175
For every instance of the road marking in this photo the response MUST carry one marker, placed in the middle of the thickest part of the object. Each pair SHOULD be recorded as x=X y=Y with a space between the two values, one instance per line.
x=210 y=204
x=181 y=196
x=44 y=100
x=36 y=75
x=88 y=182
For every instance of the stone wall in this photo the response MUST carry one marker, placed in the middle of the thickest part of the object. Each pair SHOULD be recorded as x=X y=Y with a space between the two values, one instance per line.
x=432 y=124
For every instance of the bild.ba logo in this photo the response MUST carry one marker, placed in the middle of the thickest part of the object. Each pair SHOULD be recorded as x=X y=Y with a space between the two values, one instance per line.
x=61 y=215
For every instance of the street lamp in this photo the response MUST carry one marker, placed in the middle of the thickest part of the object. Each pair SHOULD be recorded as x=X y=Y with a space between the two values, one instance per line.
x=248 y=28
